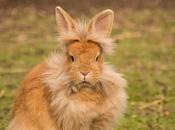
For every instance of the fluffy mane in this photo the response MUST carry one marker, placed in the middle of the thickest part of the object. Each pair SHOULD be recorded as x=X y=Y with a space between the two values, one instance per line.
x=56 y=75
x=57 y=79
x=82 y=34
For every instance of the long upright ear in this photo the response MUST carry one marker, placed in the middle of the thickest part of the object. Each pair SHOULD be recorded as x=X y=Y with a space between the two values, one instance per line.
x=102 y=23
x=64 y=21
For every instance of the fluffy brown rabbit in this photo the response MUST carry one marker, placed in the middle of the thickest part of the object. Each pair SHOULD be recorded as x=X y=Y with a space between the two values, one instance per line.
x=75 y=89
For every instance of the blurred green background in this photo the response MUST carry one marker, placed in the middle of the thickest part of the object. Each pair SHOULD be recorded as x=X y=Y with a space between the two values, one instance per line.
x=144 y=31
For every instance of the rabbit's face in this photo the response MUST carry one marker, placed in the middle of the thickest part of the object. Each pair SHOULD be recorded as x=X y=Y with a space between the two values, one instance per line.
x=85 y=62
x=90 y=40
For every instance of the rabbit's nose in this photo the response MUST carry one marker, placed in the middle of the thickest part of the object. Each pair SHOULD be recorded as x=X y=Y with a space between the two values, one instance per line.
x=85 y=73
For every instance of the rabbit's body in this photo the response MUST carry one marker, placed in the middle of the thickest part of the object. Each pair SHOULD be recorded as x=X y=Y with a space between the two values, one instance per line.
x=75 y=90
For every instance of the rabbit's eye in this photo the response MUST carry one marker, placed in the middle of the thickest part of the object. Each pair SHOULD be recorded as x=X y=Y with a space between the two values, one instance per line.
x=72 y=58
x=97 y=58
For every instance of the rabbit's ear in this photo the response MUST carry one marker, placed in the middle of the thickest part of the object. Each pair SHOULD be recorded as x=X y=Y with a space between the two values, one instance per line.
x=102 y=23
x=64 y=21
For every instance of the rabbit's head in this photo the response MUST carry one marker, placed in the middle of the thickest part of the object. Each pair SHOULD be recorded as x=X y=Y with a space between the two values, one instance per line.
x=84 y=45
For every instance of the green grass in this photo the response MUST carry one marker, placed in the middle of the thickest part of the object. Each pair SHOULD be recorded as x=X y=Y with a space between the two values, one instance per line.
x=145 y=55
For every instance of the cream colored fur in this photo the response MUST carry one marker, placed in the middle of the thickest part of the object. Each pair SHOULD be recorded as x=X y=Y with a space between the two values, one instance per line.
x=80 y=115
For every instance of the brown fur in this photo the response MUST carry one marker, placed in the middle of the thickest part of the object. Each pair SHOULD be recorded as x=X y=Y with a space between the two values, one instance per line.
x=31 y=105
x=56 y=95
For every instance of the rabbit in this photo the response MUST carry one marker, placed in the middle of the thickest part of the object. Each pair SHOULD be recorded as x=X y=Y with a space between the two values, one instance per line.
x=73 y=89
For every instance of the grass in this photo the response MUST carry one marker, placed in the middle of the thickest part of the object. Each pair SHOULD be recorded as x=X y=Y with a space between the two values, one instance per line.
x=145 y=54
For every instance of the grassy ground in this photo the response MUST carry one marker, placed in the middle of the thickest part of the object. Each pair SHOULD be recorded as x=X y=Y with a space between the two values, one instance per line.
x=145 y=54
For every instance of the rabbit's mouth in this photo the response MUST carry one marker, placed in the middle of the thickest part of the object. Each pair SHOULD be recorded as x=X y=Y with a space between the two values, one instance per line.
x=84 y=85
x=74 y=88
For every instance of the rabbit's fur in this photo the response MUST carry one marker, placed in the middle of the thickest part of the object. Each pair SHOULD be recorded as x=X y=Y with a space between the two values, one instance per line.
x=76 y=89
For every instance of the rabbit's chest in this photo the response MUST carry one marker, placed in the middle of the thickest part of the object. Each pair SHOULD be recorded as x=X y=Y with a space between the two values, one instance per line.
x=77 y=111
